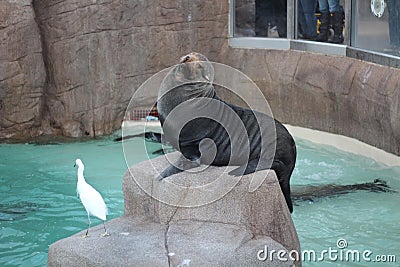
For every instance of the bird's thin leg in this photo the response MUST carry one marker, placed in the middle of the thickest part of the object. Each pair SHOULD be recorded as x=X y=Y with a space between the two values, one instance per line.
x=105 y=230
x=87 y=231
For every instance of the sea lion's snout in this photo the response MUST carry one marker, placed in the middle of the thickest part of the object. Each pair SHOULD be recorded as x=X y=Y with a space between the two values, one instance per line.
x=185 y=59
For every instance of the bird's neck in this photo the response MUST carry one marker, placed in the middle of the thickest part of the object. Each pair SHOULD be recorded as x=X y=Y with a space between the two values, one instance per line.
x=80 y=175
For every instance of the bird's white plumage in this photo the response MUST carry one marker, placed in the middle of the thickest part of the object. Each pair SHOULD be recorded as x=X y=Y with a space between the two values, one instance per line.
x=91 y=199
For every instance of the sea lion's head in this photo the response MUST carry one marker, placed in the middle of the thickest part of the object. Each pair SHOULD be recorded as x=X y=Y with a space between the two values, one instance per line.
x=195 y=67
x=192 y=57
x=190 y=79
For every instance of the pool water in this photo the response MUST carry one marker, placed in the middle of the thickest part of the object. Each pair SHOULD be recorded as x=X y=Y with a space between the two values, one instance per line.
x=39 y=205
x=366 y=220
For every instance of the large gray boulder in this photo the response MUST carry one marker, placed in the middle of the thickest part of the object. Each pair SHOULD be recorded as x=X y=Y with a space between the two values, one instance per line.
x=183 y=220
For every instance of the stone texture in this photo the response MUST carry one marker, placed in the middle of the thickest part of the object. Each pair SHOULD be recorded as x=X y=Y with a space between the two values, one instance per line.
x=329 y=93
x=140 y=242
x=215 y=244
x=228 y=231
x=22 y=72
x=263 y=212
x=99 y=52
x=133 y=242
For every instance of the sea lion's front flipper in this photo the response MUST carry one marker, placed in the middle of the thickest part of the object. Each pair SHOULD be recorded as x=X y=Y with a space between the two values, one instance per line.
x=182 y=164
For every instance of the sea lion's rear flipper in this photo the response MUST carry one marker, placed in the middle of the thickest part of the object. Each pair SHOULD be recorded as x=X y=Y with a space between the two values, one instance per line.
x=258 y=165
x=182 y=164
x=252 y=166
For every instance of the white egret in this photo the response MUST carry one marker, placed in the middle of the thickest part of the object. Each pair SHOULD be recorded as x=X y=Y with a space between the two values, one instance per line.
x=90 y=198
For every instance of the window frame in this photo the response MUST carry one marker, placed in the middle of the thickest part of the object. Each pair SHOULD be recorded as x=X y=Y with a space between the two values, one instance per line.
x=292 y=43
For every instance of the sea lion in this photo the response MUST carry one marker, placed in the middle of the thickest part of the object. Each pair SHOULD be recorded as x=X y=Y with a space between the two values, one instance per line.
x=149 y=136
x=313 y=192
x=218 y=133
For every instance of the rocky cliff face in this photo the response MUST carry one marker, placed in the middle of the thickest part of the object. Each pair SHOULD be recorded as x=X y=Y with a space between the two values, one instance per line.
x=99 y=52
x=22 y=72
x=71 y=67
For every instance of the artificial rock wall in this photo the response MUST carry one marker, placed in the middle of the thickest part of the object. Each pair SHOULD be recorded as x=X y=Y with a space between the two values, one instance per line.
x=22 y=72
x=70 y=68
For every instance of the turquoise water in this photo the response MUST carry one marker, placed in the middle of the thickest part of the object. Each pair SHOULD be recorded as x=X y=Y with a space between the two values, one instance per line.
x=38 y=191
x=366 y=220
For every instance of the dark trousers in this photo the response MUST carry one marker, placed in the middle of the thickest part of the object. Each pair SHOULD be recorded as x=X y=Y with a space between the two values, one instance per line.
x=307 y=19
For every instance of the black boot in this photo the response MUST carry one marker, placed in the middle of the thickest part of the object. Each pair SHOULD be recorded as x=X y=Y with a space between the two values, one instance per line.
x=337 y=26
x=324 y=28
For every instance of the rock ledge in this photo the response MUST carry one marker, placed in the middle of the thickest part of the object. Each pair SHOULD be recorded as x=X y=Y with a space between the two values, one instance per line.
x=229 y=231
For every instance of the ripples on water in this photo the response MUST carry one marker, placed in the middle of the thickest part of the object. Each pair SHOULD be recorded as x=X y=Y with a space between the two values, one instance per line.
x=38 y=191
x=366 y=220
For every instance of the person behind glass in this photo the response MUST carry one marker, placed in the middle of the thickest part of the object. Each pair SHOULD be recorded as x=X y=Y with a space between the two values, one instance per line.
x=307 y=19
x=394 y=24
x=336 y=20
